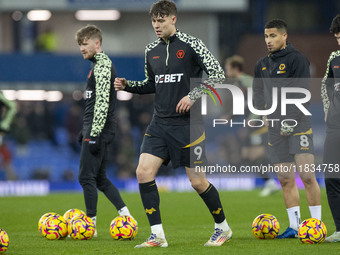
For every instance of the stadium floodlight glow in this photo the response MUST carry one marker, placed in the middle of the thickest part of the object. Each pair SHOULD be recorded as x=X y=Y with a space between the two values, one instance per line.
x=9 y=94
x=30 y=95
x=33 y=95
x=17 y=15
x=53 y=96
x=97 y=15
x=39 y=15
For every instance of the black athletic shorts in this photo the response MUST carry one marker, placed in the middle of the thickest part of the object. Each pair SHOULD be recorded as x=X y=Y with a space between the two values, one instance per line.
x=184 y=145
x=281 y=149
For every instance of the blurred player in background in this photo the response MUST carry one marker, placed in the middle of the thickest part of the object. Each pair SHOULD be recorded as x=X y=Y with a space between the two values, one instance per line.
x=170 y=63
x=254 y=146
x=281 y=68
x=234 y=67
x=330 y=93
x=7 y=112
x=98 y=123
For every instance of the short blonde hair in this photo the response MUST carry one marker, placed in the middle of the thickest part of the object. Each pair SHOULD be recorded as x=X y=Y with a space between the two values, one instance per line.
x=88 y=32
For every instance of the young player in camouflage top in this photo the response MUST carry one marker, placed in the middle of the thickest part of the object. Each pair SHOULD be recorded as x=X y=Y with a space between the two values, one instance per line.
x=98 y=124
x=170 y=63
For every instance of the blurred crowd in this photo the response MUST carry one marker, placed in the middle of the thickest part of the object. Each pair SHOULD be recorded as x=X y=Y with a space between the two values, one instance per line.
x=45 y=121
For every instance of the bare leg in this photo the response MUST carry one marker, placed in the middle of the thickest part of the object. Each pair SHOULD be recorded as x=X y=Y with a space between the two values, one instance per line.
x=304 y=165
x=287 y=181
x=148 y=167
x=197 y=179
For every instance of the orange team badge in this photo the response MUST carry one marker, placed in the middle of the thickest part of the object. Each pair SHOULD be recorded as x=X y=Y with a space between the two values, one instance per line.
x=180 y=54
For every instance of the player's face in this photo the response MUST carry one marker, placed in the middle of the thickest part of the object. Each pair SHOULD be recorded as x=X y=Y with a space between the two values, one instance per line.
x=89 y=47
x=275 y=39
x=337 y=37
x=164 y=26
x=230 y=71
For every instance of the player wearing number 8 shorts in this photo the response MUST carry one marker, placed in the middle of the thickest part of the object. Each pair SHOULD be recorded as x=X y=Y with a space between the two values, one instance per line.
x=284 y=148
x=170 y=63
x=289 y=139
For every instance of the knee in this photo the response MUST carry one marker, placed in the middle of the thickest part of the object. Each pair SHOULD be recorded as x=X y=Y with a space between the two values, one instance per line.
x=200 y=185
x=144 y=174
x=86 y=178
x=103 y=184
x=287 y=182
x=308 y=182
x=87 y=184
x=82 y=180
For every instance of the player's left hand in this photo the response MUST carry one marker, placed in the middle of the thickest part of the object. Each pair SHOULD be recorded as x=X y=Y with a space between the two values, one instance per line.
x=286 y=130
x=184 y=105
x=265 y=121
x=284 y=134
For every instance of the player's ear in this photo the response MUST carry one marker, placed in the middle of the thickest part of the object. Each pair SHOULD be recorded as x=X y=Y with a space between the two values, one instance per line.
x=98 y=44
x=174 y=19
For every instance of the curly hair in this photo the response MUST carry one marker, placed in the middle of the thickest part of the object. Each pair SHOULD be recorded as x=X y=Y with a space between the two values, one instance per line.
x=335 y=26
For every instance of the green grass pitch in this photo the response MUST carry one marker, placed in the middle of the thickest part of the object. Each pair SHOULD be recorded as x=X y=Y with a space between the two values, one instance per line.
x=186 y=220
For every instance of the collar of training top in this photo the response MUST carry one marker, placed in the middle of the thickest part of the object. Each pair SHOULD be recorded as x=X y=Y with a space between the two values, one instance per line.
x=171 y=38
x=289 y=48
x=97 y=56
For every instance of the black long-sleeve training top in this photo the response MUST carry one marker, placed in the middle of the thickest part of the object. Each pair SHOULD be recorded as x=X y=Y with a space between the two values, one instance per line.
x=283 y=68
x=169 y=66
x=100 y=96
x=330 y=90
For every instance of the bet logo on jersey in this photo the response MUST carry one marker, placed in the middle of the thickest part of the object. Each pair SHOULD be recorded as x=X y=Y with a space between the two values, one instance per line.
x=168 y=78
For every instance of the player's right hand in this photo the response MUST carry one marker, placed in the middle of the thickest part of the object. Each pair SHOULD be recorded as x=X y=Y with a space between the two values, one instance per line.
x=94 y=145
x=326 y=116
x=266 y=123
x=120 y=83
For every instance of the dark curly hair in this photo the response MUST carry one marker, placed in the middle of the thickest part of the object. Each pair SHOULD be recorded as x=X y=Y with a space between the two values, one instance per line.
x=163 y=8
x=335 y=26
